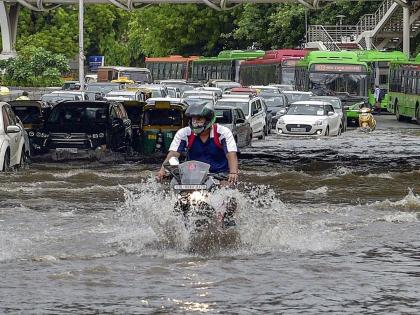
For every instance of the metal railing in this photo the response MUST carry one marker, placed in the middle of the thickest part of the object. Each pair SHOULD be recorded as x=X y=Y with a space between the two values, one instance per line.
x=318 y=33
x=368 y=22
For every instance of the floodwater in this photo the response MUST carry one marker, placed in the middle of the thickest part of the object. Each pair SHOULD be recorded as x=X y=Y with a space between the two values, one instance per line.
x=328 y=224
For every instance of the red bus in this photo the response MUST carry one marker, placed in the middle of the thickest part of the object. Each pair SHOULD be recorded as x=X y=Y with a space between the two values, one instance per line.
x=276 y=66
x=172 y=67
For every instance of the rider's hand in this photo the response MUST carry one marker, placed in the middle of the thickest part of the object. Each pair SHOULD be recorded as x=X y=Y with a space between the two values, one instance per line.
x=233 y=178
x=160 y=175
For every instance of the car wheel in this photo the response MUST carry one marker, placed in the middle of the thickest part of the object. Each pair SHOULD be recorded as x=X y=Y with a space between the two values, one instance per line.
x=262 y=137
x=6 y=164
x=23 y=158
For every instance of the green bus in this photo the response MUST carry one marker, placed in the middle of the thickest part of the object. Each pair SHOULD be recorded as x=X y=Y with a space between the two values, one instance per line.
x=336 y=73
x=223 y=67
x=378 y=62
x=404 y=89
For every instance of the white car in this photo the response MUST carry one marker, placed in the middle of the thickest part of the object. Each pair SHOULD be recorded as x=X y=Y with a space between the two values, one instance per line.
x=310 y=118
x=125 y=95
x=253 y=108
x=13 y=150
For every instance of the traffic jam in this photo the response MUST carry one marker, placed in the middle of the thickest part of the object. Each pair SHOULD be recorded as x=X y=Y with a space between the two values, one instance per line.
x=135 y=112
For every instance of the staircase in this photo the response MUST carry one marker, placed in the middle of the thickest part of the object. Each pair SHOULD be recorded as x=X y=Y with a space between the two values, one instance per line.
x=380 y=30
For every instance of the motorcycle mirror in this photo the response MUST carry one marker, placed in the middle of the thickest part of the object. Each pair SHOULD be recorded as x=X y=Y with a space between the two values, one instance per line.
x=173 y=161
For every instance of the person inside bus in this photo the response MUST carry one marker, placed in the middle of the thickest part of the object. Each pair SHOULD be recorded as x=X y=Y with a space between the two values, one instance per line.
x=377 y=94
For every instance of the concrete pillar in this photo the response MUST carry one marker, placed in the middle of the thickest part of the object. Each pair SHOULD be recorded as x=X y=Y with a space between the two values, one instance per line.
x=8 y=25
x=406 y=30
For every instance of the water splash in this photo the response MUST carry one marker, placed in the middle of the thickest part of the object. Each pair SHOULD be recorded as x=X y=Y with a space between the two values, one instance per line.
x=146 y=224
x=411 y=202
x=402 y=217
x=319 y=191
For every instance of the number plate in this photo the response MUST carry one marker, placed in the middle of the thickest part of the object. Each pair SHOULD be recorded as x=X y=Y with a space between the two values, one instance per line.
x=69 y=150
x=298 y=129
x=190 y=187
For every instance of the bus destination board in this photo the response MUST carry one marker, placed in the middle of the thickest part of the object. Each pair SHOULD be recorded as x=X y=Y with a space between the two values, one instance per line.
x=339 y=68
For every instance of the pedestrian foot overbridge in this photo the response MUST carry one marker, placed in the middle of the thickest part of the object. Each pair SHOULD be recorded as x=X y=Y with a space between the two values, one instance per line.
x=9 y=11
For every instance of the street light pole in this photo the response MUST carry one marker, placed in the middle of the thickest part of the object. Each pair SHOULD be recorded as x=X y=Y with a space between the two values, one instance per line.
x=81 y=54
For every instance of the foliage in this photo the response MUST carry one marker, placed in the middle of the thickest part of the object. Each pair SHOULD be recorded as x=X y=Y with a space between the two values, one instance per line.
x=34 y=66
x=125 y=38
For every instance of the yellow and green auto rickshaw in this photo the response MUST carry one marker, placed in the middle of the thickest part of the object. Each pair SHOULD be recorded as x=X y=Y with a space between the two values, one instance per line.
x=162 y=118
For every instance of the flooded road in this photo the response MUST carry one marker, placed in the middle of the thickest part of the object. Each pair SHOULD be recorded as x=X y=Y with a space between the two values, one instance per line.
x=329 y=224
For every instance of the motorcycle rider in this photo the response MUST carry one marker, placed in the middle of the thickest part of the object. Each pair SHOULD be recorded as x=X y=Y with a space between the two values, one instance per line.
x=206 y=141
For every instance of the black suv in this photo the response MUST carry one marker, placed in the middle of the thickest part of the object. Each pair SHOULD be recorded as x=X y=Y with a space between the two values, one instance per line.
x=86 y=129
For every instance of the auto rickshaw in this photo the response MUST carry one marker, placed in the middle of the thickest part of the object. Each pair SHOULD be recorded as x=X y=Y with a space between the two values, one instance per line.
x=162 y=118
x=32 y=113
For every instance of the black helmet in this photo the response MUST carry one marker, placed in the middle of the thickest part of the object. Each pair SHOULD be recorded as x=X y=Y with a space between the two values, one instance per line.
x=201 y=109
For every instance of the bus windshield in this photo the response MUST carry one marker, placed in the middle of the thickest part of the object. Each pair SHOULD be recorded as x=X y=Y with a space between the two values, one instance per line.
x=353 y=84
x=288 y=75
x=136 y=76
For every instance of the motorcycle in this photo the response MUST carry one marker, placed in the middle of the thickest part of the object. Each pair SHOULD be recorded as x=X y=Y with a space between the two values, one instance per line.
x=192 y=183
x=366 y=120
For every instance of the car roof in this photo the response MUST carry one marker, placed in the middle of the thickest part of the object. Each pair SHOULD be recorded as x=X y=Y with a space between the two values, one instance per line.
x=66 y=92
x=320 y=103
x=297 y=92
x=326 y=97
x=122 y=92
x=234 y=100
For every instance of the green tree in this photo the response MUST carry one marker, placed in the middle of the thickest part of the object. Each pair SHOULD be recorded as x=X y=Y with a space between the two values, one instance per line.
x=34 y=66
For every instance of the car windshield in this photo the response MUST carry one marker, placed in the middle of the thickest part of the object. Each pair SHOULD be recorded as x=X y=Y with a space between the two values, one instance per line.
x=165 y=117
x=171 y=92
x=28 y=114
x=242 y=105
x=134 y=113
x=334 y=102
x=78 y=115
x=59 y=97
x=274 y=101
x=156 y=93
x=223 y=116
x=306 y=109
x=296 y=97
x=199 y=100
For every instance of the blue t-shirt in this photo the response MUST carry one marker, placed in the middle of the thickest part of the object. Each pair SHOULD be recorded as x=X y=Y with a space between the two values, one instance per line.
x=207 y=152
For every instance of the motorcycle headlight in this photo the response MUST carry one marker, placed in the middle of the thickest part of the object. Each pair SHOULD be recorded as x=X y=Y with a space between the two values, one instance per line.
x=95 y=136
x=197 y=196
x=31 y=133
x=319 y=123
x=101 y=135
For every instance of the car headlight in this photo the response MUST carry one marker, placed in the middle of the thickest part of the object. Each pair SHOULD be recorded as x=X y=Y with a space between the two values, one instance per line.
x=38 y=134
x=95 y=136
x=280 y=121
x=318 y=123
x=101 y=135
x=31 y=133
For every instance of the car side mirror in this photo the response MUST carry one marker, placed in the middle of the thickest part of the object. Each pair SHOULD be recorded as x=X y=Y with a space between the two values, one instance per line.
x=240 y=121
x=13 y=129
x=330 y=113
